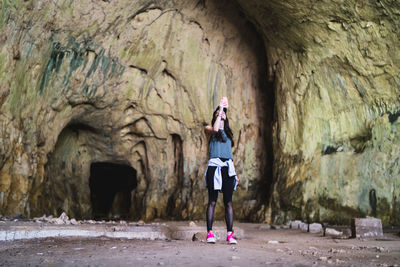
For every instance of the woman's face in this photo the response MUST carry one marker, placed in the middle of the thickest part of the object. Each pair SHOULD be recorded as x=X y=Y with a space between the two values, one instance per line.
x=223 y=116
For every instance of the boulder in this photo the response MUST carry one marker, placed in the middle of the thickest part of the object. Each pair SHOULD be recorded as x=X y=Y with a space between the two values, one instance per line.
x=315 y=228
x=366 y=227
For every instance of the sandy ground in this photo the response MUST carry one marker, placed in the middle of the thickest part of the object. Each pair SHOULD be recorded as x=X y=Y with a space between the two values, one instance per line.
x=260 y=247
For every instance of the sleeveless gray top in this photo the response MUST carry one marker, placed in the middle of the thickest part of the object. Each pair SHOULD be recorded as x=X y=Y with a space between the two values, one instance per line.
x=220 y=149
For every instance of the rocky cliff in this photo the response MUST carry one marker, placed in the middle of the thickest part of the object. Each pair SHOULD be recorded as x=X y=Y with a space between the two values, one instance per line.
x=90 y=89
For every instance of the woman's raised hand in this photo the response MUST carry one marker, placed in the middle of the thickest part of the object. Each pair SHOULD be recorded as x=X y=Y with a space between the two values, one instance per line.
x=224 y=102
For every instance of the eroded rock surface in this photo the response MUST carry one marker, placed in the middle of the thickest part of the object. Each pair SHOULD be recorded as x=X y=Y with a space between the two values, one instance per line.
x=336 y=134
x=133 y=83
x=128 y=83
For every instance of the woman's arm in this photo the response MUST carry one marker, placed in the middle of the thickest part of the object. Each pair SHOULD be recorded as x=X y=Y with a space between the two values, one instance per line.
x=209 y=129
x=217 y=123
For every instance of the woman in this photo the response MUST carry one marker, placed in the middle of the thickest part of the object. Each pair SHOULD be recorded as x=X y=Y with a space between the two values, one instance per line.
x=220 y=174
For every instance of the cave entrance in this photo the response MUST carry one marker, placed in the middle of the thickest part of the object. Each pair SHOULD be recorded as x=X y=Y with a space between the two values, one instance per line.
x=111 y=185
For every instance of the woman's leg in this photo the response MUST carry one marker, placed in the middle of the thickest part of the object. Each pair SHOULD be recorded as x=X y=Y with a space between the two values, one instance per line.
x=228 y=184
x=212 y=201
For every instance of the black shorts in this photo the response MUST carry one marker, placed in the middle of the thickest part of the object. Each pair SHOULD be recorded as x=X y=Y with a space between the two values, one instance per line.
x=228 y=184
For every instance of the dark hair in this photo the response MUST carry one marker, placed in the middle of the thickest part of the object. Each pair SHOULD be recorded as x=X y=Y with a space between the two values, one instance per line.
x=227 y=129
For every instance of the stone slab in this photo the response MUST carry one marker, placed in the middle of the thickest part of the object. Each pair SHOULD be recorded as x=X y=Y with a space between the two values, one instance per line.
x=295 y=224
x=149 y=232
x=366 y=227
x=43 y=231
x=315 y=228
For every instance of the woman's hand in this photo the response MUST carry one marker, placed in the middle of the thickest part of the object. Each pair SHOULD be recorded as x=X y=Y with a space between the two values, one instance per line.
x=223 y=103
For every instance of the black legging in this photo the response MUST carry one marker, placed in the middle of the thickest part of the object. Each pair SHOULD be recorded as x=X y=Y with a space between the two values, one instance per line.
x=228 y=184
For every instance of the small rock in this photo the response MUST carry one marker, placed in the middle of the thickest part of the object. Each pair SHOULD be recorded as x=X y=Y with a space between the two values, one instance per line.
x=235 y=257
x=73 y=221
x=303 y=227
x=332 y=232
x=273 y=242
x=279 y=250
x=295 y=224
x=192 y=224
x=121 y=222
x=199 y=236
x=160 y=263
x=64 y=217
x=323 y=258
x=140 y=223
x=315 y=228
x=275 y=227
x=337 y=250
x=58 y=221
x=113 y=247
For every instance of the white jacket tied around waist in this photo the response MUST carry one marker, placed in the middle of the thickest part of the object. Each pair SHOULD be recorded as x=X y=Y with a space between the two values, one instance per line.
x=216 y=162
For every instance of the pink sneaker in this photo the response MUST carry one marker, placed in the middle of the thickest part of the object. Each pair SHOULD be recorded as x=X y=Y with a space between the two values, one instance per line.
x=230 y=238
x=210 y=237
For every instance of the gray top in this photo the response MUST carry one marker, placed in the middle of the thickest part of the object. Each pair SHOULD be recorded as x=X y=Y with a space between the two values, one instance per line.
x=220 y=149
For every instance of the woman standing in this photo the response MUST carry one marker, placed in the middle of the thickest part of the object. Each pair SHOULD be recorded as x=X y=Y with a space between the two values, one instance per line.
x=220 y=174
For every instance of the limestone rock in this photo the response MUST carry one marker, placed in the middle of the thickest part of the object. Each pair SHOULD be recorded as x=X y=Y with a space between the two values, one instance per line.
x=314 y=107
x=332 y=232
x=130 y=86
x=315 y=228
x=303 y=227
x=295 y=224
x=366 y=227
x=199 y=236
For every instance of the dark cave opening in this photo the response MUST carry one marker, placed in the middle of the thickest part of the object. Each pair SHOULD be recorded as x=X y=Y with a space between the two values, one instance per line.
x=111 y=185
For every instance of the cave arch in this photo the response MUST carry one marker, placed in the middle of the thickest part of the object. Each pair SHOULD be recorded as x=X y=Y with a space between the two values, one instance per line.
x=87 y=179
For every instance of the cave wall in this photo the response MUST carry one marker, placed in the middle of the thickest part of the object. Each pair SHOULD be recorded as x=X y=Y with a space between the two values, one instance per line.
x=142 y=75
x=131 y=82
x=335 y=66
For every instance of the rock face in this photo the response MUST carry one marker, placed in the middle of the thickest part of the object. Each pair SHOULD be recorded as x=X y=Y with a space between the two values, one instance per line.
x=336 y=133
x=314 y=106
x=116 y=85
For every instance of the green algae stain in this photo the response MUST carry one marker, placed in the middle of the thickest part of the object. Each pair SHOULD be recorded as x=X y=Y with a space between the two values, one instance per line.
x=4 y=12
x=68 y=60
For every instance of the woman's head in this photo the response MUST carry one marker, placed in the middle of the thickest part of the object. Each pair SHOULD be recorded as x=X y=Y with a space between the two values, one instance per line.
x=216 y=113
x=224 y=117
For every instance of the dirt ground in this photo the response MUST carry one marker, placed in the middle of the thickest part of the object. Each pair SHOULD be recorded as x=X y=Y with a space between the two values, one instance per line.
x=260 y=247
